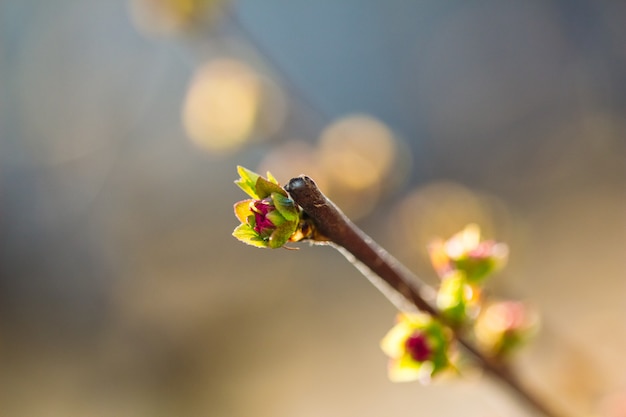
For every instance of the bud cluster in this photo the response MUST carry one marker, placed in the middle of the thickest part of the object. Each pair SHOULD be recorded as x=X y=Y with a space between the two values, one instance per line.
x=463 y=263
x=268 y=220
x=420 y=347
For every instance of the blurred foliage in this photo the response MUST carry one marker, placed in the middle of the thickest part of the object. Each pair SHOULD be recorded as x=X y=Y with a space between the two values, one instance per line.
x=420 y=346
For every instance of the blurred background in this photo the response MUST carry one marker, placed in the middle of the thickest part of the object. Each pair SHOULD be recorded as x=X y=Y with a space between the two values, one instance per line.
x=122 y=292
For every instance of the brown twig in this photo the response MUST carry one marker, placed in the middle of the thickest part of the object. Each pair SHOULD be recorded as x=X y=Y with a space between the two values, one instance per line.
x=401 y=286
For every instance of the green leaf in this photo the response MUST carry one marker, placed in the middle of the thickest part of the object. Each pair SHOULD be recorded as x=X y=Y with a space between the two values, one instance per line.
x=476 y=269
x=247 y=175
x=271 y=178
x=286 y=207
x=248 y=181
x=246 y=234
x=275 y=218
x=281 y=235
x=265 y=188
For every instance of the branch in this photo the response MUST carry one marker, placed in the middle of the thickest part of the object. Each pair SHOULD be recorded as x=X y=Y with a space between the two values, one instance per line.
x=402 y=288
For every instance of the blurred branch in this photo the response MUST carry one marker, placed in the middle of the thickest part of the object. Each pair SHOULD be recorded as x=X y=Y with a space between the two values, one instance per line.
x=402 y=288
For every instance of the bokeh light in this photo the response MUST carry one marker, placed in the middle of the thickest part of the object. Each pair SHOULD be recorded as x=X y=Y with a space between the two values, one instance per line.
x=273 y=108
x=357 y=154
x=357 y=151
x=222 y=105
x=166 y=17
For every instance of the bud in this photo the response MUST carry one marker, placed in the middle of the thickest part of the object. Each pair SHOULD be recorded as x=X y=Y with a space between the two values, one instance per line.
x=270 y=218
x=457 y=299
x=504 y=326
x=418 y=348
x=266 y=217
x=467 y=253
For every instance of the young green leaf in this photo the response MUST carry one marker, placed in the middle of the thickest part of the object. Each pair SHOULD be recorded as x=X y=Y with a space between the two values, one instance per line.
x=265 y=188
x=285 y=206
x=248 y=181
x=246 y=234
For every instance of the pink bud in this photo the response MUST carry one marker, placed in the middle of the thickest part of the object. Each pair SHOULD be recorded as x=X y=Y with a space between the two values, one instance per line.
x=261 y=209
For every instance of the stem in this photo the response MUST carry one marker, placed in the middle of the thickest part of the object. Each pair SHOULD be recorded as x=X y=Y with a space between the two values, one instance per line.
x=402 y=287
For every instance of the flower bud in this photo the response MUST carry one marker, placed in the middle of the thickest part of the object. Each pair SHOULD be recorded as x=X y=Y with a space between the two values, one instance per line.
x=467 y=253
x=457 y=299
x=504 y=326
x=266 y=217
x=270 y=218
x=418 y=348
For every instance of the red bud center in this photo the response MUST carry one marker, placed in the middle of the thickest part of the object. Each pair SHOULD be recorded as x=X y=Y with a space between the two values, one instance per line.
x=261 y=208
x=418 y=348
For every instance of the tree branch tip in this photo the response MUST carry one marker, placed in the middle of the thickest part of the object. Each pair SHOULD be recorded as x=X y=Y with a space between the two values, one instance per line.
x=298 y=183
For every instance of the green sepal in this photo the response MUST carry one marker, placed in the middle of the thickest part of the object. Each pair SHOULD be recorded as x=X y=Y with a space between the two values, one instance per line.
x=271 y=178
x=281 y=235
x=275 y=218
x=246 y=234
x=265 y=188
x=452 y=298
x=286 y=207
x=476 y=269
x=438 y=341
x=509 y=342
x=248 y=182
